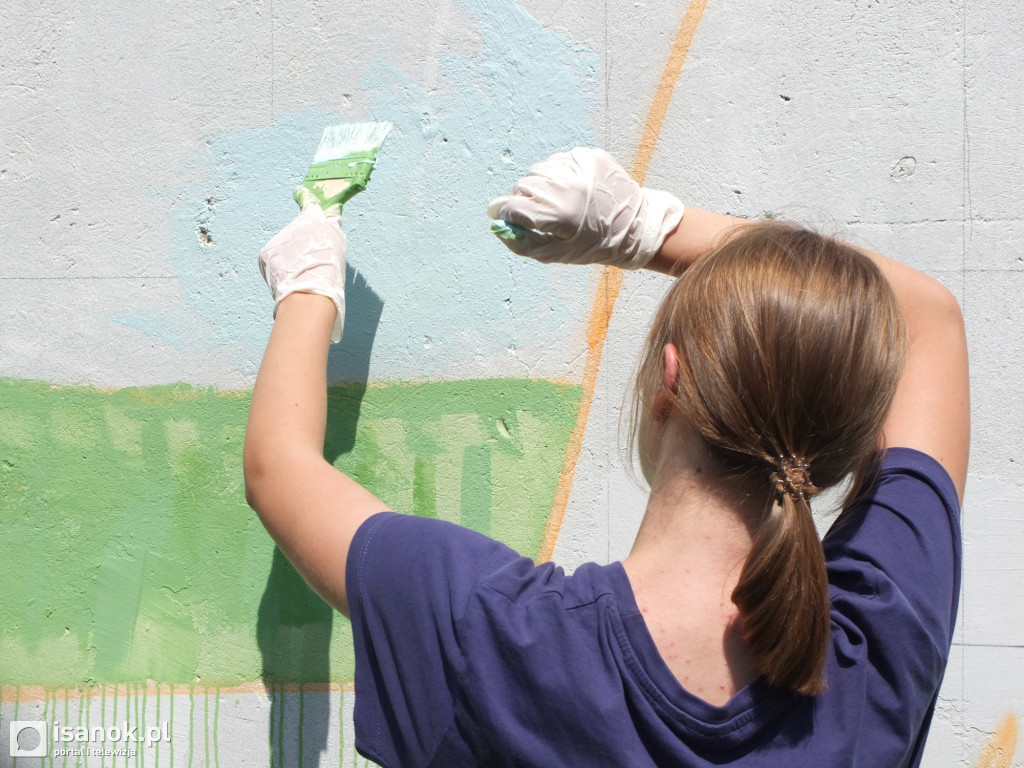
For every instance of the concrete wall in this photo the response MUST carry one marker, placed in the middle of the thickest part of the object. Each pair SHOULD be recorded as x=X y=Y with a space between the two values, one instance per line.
x=148 y=150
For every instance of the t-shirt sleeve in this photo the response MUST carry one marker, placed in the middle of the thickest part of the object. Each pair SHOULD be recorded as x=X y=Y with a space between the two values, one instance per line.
x=894 y=568
x=408 y=581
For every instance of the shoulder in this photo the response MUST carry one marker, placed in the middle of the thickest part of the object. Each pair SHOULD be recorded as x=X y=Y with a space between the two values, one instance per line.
x=894 y=561
x=394 y=555
x=913 y=502
x=447 y=621
x=435 y=550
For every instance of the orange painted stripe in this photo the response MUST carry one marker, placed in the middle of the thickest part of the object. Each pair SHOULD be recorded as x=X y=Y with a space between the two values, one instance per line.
x=611 y=277
x=998 y=753
x=663 y=96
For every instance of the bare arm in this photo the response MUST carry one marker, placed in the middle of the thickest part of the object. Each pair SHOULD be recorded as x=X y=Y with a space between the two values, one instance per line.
x=310 y=508
x=697 y=234
x=931 y=410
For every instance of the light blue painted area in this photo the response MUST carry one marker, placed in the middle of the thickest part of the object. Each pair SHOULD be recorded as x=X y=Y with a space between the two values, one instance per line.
x=451 y=300
x=219 y=223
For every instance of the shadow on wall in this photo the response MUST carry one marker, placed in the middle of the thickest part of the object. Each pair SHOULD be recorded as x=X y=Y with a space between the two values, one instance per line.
x=294 y=625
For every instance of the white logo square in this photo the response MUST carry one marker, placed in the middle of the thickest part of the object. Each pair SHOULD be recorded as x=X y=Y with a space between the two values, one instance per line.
x=24 y=743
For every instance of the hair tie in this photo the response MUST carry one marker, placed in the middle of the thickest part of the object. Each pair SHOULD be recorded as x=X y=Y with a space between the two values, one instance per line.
x=792 y=475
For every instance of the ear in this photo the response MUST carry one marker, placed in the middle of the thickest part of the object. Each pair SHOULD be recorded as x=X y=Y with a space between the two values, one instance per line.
x=662 y=401
x=671 y=360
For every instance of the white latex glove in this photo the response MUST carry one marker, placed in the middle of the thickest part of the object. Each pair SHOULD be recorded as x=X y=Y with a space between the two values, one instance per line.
x=308 y=256
x=582 y=207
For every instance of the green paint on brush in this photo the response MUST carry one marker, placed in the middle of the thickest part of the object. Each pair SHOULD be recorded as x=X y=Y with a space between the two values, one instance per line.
x=343 y=163
x=130 y=553
x=506 y=230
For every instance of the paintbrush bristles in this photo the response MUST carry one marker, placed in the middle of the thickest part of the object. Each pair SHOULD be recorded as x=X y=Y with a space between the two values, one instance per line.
x=351 y=138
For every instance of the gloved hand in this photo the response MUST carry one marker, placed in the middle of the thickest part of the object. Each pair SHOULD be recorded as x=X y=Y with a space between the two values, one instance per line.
x=582 y=207
x=308 y=256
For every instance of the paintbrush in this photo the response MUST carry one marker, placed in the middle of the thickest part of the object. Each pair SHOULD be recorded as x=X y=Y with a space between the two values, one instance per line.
x=342 y=164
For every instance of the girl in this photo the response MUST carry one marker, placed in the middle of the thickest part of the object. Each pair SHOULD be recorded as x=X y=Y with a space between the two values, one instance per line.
x=779 y=363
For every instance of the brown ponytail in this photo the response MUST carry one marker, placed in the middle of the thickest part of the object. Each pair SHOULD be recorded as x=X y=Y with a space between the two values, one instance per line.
x=783 y=586
x=790 y=348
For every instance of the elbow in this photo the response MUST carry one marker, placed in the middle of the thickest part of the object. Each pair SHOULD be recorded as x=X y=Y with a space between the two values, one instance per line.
x=942 y=305
x=946 y=305
x=262 y=465
x=935 y=310
x=949 y=317
x=251 y=494
x=254 y=475
x=271 y=471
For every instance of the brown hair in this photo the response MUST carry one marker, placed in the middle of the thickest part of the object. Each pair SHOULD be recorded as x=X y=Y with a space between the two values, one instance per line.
x=790 y=346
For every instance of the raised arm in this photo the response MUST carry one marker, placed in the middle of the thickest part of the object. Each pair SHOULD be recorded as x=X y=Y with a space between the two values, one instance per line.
x=581 y=207
x=932 y=408
x=309 y=508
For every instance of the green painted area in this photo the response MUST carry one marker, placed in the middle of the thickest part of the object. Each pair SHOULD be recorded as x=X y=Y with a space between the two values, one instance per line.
x=130 y=553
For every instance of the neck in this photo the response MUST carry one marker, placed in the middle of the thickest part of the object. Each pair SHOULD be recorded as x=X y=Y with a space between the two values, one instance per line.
x=696 y=522
x=695 y=537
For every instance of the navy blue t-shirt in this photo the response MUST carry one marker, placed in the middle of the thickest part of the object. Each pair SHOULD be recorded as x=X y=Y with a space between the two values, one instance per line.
x=469 y=655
